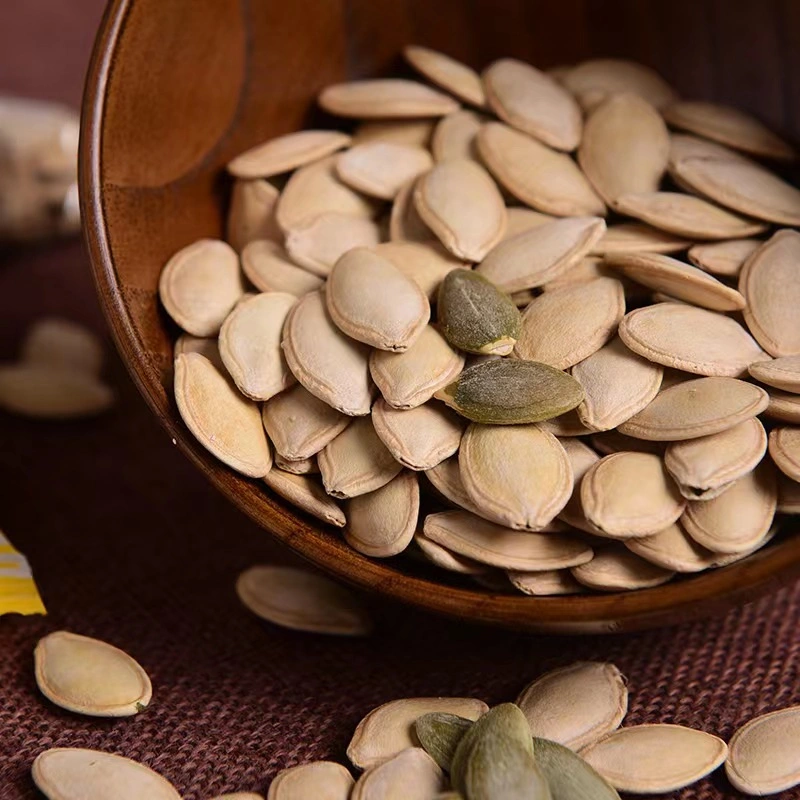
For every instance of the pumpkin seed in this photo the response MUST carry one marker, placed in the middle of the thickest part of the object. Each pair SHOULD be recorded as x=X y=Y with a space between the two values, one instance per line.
x=90 y=677
x=225 y=423
x=587 y=269
x=446 y=72
x=691 y=339
x=672 y=549
x=771 y=315
x=426 y=264
x=411 y=773
x=297 y=466
x=609 y=504
x=615 y=442
x=784 y=406
x=696 y=408
x=729 y=126
x=724 y=559
x=762 y=757
x=494 y=759
x=782 y=373
x=581 y=458
x=636 y=237
x=654 y=759
x=541 y=254
x=439 y=735
x=784 y=447
x=736 y=520
x=405 y=223
x=474 y=315
x=444 y=559
x=186 y=343
x=566 y=326
x=575 y=705
x=200 y=284
x=461 y=204
x=268 y=268
x=711 y=462
x=389 y=729
x=509 y=392
x=381 y=169
x=533 y=102
x=538 y=176
x=455 y=136
x=733 y=181
x=415 y=132
x=70 y=773
x=239 y=796
x=371 y=301
x=617 y=384
x=593 y=80
x=568 y=775
x=614 y=568
x=62 y=344
x=302 y=600
x=252 y=213
x=306 y=493
x=315 y=189
x=446 y=479
x=356 y=461
x=625 y=147
x=322 y=780
x=250 y=345
x=329 y=364
x=548 y=583
x=488 y=543
x=49 y=392
x=411 y=378
x=389 y=98
x=521 y=219
x=678 y=279
x=421 y=437
x=318 y=242
x=723 y=258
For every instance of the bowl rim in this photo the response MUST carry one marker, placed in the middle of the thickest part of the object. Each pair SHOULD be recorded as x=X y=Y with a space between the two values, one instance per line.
x=691 y=597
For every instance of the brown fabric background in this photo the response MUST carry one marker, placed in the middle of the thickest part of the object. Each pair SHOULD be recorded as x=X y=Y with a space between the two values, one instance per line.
x=128 y=543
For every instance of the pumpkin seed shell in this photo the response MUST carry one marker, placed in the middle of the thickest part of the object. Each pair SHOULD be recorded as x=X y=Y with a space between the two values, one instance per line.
x=446 y=72
x=306 y=493
x=782 y=373
x=252 y=214
x=381 y=169
x=784 y=447
x=390 y=98
x=723 y=258
x=614 y=568
x=672 y=549
x=322 y=780
x=268 y=268
x=411 y=773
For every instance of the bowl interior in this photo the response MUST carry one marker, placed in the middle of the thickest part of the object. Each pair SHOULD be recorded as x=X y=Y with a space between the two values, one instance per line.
x=176 y=89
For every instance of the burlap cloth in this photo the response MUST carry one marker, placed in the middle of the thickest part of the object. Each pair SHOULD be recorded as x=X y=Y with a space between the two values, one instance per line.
x=130 y=544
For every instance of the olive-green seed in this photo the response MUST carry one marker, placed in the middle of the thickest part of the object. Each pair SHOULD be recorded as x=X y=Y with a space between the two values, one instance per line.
x=439 y=735
x=509 y=392
x=474 y=315
x=568 y=775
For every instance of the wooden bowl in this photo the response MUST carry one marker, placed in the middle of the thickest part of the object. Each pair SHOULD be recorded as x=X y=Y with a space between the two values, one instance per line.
x=176 y=88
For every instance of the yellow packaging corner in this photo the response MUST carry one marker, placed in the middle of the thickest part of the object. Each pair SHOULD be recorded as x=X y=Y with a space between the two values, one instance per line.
x=18 y=592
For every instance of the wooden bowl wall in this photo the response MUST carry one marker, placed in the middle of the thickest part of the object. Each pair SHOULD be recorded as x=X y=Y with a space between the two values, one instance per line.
x=176 y=88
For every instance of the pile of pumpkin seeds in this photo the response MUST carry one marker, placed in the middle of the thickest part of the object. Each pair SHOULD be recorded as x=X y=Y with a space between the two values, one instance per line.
x=561 y=740
x=568 y=301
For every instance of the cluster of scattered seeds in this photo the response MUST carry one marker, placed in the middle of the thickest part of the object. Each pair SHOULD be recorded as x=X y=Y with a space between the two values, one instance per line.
x=561 y=740
x=495 y=296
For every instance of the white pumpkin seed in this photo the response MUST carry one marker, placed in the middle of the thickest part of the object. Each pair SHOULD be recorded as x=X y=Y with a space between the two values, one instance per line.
x=521 y=219
x=411 y=773
x=200 y=284
x=690 y=339
x=90 y=677
x=62 y=344
x=736 y=520
x=455 y=136
x=723 y=258
x=711 y=462
x=461 y=204
x=322 y=780
x=587 y=269
x=635 y=237
x=297 y=466
x=318 y=242
x=411 y=378
x=771 y=285
x=614 y=568
x=415 y=132
x=446 y=72
x=617 y=384
x=762 y=757
x=381 y=169
x=307 y=494
x=576 y=705
x=446 y=479
x=389 y=729
x=680 y=280
x=550 y=583
x=426 y=264
x=538 y=176
x=405 y=223
x=227 y=424
x=302 y=600
x=476 y=538
x=673 y=549
x=71 y=773
x=655 y=759
x=625 y=147
x=250 y=345
x=784 y=447
x=421 y=437
x=444 y=559
x=239 y=796
x=356 y=461
x=389 y=98
x=581 y=458
x=533 y=102
x=329 y=364
x=782 y=373
x=269 y=269
x=382 y=523
x=251 y=215
x=695 y=408
x=566 y=326
x=784 y=406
